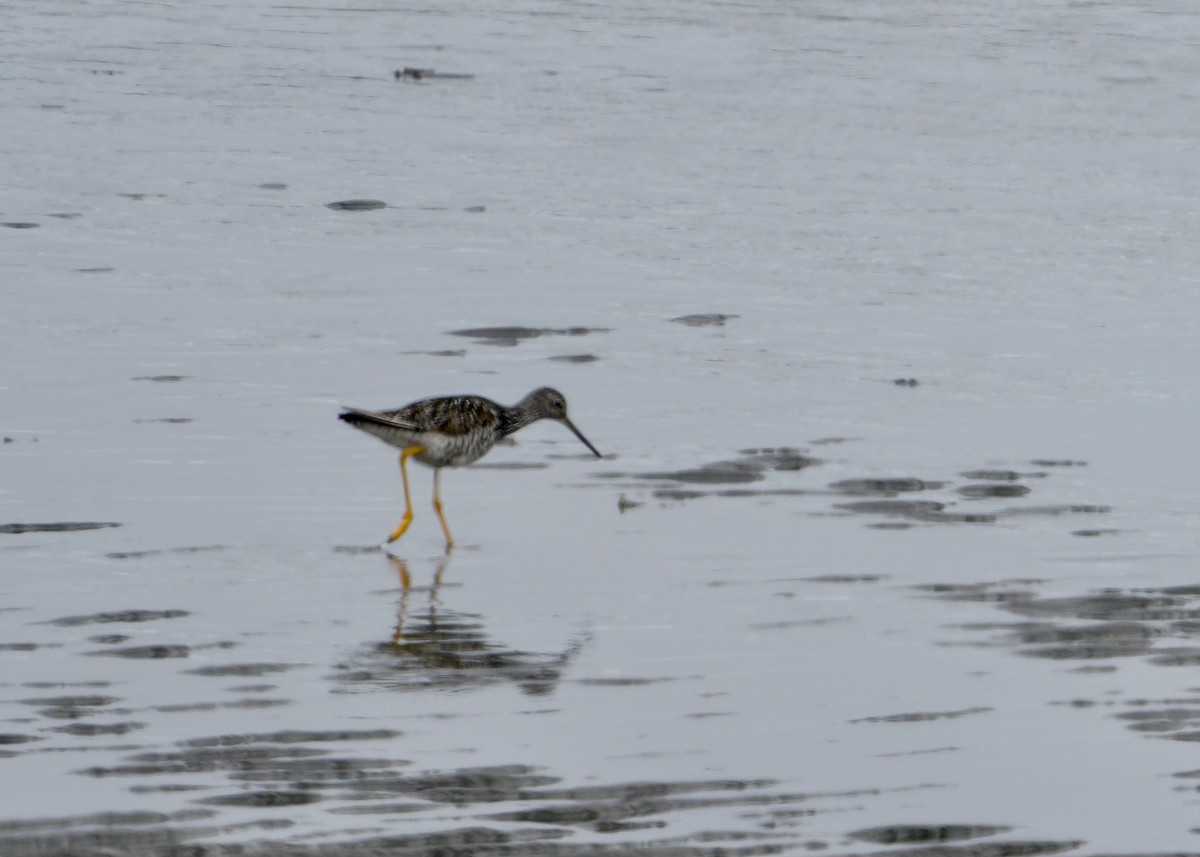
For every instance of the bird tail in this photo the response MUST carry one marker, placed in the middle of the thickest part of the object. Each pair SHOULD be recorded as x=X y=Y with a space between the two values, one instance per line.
x=395 y=432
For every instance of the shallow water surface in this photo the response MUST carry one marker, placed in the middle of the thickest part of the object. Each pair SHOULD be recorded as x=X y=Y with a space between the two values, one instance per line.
x=883 y=318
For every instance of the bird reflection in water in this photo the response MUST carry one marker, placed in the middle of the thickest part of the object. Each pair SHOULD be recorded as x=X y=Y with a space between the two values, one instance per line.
x=433 y=647
x=400 y=566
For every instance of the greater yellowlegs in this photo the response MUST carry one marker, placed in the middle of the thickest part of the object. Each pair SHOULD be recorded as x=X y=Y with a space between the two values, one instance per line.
x=451 y=431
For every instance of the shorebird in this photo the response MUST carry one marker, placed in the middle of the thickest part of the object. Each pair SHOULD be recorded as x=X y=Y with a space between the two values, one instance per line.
x=451 y=431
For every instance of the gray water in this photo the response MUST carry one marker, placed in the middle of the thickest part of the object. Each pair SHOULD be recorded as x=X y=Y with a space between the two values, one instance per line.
x=883 y=315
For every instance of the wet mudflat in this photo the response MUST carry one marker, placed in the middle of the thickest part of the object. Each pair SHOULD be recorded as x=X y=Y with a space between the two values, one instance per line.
x=883 y=318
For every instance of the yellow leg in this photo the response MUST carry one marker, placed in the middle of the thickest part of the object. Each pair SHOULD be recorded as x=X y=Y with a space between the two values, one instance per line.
x=437 y=506
x=407 y=519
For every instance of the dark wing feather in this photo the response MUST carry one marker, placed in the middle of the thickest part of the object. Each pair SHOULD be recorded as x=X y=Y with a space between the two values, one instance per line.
x=454 y=416
x=356 y=416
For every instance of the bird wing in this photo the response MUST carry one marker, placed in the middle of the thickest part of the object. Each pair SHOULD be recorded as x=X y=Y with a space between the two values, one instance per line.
x=383 y=419
x=454 y=416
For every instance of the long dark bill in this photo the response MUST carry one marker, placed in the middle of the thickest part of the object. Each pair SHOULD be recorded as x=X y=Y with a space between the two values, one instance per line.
x=579 y=435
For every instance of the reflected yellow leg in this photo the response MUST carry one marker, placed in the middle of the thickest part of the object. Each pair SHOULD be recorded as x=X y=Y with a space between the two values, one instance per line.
x=402 y=606
x=401 y=568
x=437 y=506
x=407 y=519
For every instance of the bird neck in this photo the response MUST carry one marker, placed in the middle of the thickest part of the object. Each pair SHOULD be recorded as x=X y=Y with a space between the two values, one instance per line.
x=516 y=418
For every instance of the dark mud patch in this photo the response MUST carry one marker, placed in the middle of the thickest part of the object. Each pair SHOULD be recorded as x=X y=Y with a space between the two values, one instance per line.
x=782 y=458
x=634 y=808
x=128 y=834
x=648 y=805
x=986 y=475
x=988 y=491
x=510 y=336
x=379 y=809
x=358 y=549
x=888 y=487
x=60 y=527
x=20 y=224
x=1105 y=640
x=1111 y=605
x=834 y=441
x=108 y=639
x=462 y=786
x=916 y=510
x=445 y=352
x=163 y=552
x=1178 y=610
x=161 y=379
x=1008 y=848
x=242 y=670
x=117 y=617
x=891 y=501
x=574 y=358
x=293 y=736
x=1057 y=510
x=888 y=500
x=909 y=834
x=846 y=578
x=1155 y=624
x=190 y=707
x=923 y=716
x=798 y=623
x=704 y=319
x=624 y=681
x=71 y=706
x=289 y=769
x=776 y=581
x=752 y=467
x=412 y=74
x=152 y=653
x=8 y=738
x=1174 y=722
x=240 y=762
x=926 y=752
x=263 y=799
x=679 y=494
x=1177 y=656
x=1003 y=592
x=357 y=205
x=1096 y=629
x=93 y=729
x=716 y=473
